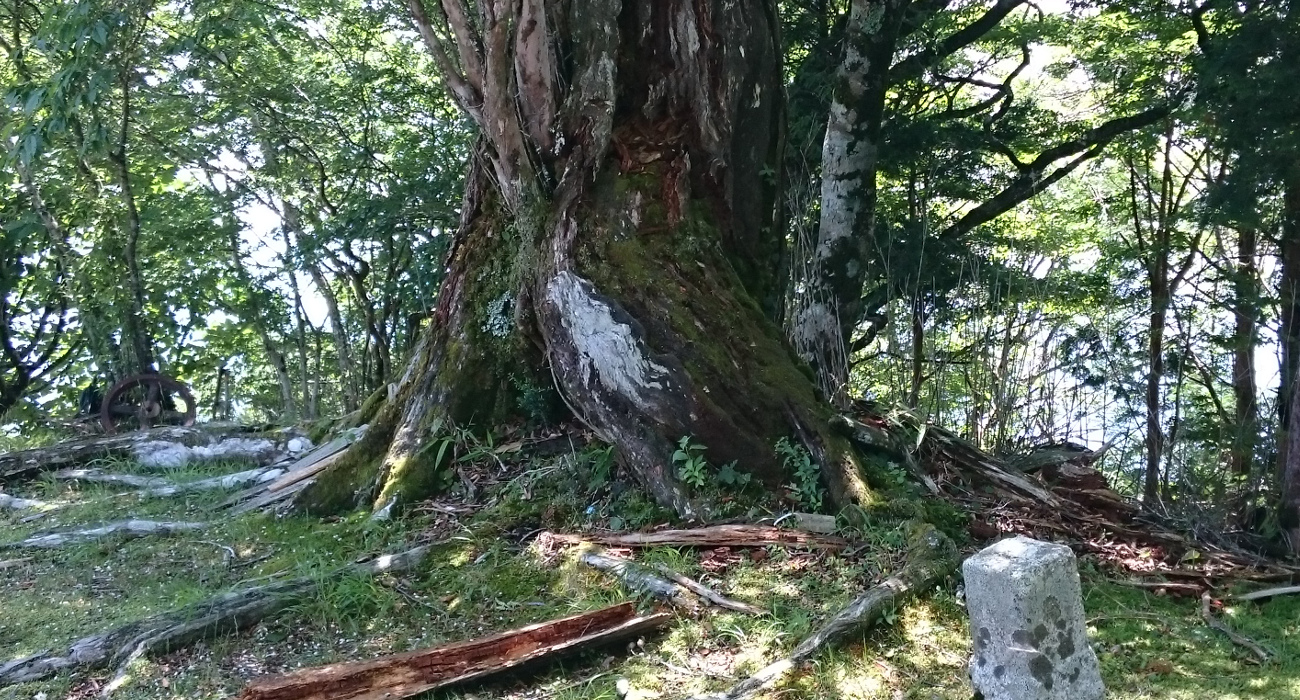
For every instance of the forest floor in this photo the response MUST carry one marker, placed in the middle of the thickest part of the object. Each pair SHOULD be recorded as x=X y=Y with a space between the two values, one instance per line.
x=490 y=572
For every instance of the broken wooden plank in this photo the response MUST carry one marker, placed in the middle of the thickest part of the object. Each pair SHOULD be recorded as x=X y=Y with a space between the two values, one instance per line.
x=223 y=614
x=268 y=498
x=404 y=675
x=128 y=529
x=712 y=536
x=310 y=464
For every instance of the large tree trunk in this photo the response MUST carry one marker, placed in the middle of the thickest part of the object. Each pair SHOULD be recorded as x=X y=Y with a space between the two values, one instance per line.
x=1289 y=304
x=617 y=241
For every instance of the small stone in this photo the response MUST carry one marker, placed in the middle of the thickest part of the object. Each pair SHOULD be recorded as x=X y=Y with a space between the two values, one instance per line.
x=1027 y=624
x=298 y=445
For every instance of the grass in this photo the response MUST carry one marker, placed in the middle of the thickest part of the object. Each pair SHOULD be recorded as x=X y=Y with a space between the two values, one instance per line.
x=486 y=576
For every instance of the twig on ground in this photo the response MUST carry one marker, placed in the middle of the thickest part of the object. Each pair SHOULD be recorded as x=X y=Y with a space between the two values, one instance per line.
x=707 y=593
x=1237 y=638
x=931 y=557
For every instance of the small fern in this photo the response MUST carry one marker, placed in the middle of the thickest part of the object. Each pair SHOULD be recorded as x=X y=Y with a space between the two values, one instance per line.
x=807 y=489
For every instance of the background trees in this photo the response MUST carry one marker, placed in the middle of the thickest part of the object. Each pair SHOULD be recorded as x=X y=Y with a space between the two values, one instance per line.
x=1029 y=223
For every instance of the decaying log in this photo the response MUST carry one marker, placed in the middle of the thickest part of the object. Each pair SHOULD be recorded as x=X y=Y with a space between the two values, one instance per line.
x=8 y=502
x=412 y=673
x=931 y=557
x=1236 y=637
x=223 y=614
x=25 y=463
x=712 y=536
x=127 y=529
x=1268 y=593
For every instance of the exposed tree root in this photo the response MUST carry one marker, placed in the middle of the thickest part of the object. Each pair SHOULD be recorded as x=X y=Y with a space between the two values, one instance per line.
x=931 y=557
x=126 y=528
x=1240 y=640
x=259 y=475
x=224 y=614
x=8 y=502
x=98 y=476
x=713 y=536
x=404 y=675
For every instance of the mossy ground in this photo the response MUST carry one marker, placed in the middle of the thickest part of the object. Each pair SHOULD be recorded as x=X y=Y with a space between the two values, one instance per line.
x=490 y=574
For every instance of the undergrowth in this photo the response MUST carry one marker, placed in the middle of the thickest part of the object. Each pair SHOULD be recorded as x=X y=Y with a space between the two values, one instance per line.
x=489 y=571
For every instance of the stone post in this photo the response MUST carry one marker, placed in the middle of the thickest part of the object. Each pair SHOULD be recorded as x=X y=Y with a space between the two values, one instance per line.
x=1027 y=623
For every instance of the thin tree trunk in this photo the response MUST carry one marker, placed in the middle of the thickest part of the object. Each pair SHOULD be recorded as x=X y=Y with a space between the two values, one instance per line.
x=918 y=352
x=134 y=327
x=1289 y=304
x=1244 y=338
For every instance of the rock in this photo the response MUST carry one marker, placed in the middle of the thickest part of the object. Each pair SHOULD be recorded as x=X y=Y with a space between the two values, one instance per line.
x=298 y=445
x=1027 y=623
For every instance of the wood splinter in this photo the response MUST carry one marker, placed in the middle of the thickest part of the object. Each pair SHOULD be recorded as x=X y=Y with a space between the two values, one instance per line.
x=403 y=675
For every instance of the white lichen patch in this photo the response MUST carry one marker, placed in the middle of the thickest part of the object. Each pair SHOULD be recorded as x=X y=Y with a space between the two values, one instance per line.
x=608 y=348
x=499 y=316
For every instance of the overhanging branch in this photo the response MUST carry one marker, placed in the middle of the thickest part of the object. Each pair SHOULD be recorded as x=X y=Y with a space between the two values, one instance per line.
x=1034 y=176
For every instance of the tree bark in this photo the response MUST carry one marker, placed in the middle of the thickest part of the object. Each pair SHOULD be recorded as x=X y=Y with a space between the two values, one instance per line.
x=616 y=243
x=1289 y=304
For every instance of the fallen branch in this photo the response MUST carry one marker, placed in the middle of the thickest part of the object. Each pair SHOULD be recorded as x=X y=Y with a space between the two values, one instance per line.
x=1268 y=593
x=931 y=557
x=129 y=529
x=707 y=593
x=641 y=580
x=1220 y=625
x=412 y=673
x=1194 y=589
x=169 y=631
x=712 y=536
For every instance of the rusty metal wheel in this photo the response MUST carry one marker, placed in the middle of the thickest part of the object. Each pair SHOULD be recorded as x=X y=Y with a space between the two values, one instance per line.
x=145 y=400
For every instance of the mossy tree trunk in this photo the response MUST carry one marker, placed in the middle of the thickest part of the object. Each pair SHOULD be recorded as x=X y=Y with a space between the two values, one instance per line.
x=620 y=242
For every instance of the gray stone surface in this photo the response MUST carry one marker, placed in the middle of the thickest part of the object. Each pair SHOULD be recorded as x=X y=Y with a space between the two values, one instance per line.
x=1027 y=624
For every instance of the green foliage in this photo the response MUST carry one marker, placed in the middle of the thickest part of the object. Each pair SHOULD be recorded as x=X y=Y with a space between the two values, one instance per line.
x=692 y=468
x=807 y=477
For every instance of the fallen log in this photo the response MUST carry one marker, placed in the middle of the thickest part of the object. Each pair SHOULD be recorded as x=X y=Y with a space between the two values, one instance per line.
x=412 y=673
x=128 y=529
x=931 y=557
x=224 y=614
x=712 y=536
x=25 y=463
